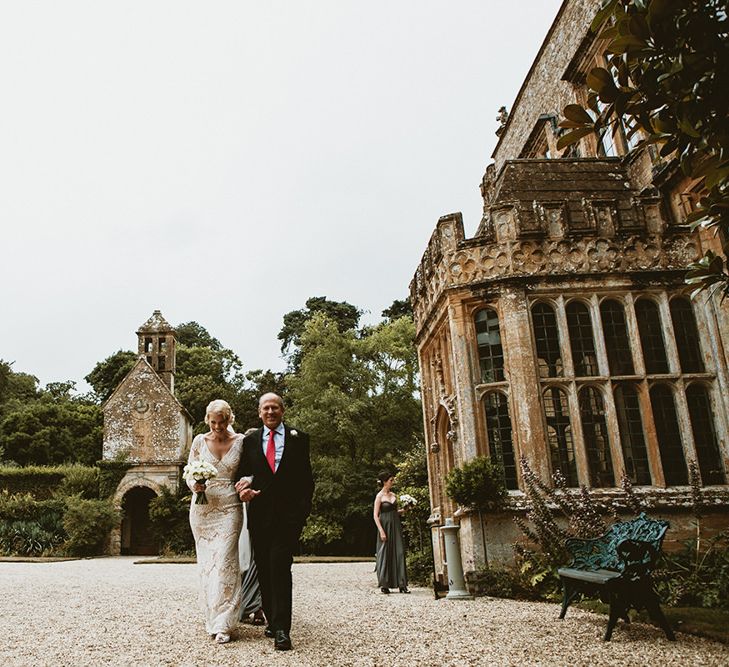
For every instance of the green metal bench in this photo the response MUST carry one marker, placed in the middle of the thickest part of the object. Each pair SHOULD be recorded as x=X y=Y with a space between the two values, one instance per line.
x=617 y=567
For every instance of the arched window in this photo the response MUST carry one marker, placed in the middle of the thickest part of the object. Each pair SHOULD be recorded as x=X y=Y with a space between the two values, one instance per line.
x=702 y=424
x=546 y=336
x=597 y=442
x=582 y=344
x=687 y=337
x=632 y=439
x=490 y=353
x=668 y=434
x=559 y=434
x=498 y=427
x=617 y=344
x=651 y=336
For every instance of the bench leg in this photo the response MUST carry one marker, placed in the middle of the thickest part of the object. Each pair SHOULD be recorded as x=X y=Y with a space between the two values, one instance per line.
x=568 y=596
x=656 y=614
x=617 y=610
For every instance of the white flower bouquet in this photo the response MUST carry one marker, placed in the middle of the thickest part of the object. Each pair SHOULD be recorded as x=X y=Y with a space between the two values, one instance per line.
x=200 y=472
x=406 y=500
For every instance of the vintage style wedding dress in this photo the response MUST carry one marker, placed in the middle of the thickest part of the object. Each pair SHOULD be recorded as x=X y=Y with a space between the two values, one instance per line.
x=216 y=527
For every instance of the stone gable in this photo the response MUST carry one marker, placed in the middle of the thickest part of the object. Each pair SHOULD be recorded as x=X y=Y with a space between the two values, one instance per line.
x=143 y=421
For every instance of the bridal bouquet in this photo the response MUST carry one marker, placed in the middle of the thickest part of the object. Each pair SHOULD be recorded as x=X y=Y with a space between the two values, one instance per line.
x=200 y=472
x=406 y=500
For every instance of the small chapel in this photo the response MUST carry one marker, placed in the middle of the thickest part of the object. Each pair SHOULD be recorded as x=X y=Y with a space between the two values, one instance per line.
x=146 y=426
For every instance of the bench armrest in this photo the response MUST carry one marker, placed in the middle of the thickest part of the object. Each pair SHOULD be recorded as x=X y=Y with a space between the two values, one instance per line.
x=638 y=558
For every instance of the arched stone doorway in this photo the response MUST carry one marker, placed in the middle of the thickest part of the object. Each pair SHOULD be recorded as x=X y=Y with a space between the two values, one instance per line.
x=136 y=533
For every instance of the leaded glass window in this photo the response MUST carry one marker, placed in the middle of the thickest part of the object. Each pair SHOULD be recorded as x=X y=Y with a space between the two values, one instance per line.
x=559 y=434
x=617 y=345
x=498 y=427
x=597 y=442
x=490 y=352
x=668 y=434
x=702 y=425
x=651 y=336
x=687 y=337
x=630 y=423
x=546 y=337
x=582 y=344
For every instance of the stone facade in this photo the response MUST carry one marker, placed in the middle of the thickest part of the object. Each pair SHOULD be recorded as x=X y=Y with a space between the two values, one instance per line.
x=560 y=331
x=145 y=425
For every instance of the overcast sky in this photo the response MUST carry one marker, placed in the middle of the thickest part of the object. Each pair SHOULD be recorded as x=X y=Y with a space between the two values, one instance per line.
x=224 y=161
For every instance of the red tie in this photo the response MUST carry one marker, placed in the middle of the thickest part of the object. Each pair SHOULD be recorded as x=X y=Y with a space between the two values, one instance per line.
x=271 y=452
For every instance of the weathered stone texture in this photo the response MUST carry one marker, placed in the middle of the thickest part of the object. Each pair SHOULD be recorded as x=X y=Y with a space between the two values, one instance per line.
x=543 y=90
x=143 y=422
x=564 y=233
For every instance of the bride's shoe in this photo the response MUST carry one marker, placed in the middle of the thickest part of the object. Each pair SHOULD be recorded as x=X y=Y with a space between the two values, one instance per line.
x=222 y=638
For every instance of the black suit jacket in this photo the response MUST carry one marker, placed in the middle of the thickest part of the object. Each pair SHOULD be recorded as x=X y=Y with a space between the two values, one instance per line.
x=285 y=499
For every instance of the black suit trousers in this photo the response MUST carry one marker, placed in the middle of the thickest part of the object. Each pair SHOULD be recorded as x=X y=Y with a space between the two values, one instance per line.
x=273 y=553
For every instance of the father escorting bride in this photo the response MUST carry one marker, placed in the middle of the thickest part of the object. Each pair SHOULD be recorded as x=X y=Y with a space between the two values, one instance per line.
x=275 y=476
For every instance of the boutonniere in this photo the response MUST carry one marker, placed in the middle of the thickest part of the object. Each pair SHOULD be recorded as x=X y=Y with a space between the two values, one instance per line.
x=294 y=432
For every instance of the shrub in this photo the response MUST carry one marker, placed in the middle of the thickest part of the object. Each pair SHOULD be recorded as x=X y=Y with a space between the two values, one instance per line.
x=80 y=481
x=501 y=583
x=110 y=474
x=319 y=533
x=419 y=563
x=87 y=523
x=478 y=484
x=29 y=526
x=169 y=516
x=39 y=481
x=683 y=580
x=27 y=538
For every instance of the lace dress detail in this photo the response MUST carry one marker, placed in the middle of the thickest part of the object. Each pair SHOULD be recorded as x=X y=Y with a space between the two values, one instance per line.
x=216 y=528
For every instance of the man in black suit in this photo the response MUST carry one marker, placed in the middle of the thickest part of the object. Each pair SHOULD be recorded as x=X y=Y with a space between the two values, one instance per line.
x=275 y=478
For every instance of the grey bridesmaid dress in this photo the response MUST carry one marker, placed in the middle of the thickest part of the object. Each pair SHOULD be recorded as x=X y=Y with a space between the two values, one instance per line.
x=390 y=565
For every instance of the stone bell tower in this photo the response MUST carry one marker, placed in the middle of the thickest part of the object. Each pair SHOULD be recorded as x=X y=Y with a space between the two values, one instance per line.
x=157 y=344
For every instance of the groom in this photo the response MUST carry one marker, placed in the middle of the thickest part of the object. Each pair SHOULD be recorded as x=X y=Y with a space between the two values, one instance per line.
x=275 y=477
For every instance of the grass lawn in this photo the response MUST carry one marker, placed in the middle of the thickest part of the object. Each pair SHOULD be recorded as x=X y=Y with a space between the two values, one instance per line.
x=711 y=623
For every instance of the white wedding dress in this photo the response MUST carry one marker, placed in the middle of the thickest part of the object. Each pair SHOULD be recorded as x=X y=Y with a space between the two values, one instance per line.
x=216 y=527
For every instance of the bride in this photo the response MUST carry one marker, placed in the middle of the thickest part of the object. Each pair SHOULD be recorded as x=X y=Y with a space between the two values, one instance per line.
x=216 y=525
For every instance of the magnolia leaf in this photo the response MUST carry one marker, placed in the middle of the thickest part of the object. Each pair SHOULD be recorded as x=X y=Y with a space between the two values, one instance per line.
x=572 y=137
x=577 y=114
x=605 y=11
x=599 y=78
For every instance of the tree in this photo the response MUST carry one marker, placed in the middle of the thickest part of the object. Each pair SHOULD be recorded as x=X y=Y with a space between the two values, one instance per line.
x=398 y=308
x=354 y=394
x=15 y=387
x=193 y=334
x=53 y=429
x=107 y=374
x=344 y=314
x=667 y=77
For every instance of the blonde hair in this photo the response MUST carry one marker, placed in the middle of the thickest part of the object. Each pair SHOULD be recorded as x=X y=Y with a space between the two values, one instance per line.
x=220 y=407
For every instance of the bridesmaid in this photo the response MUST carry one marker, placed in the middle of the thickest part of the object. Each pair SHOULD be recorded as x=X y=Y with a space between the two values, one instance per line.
x=216 y=525
x=390 y=565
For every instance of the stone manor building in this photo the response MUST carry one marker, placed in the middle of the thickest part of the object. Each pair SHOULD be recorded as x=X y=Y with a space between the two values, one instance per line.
x=561 y=330
x=145 y=425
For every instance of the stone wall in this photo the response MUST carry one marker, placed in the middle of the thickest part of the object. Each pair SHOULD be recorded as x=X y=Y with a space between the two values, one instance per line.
x=143 y=421
x=543 y=90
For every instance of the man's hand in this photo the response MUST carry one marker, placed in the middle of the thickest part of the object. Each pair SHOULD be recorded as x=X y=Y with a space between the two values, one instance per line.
x=242 y=483
x=247 y=495
x=245 y=492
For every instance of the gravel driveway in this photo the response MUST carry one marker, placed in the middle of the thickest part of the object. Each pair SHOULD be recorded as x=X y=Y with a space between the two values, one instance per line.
x=108 y=611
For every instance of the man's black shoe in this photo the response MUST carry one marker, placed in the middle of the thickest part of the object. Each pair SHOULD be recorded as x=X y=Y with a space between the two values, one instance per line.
x=268 y=632
x=282 y=641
